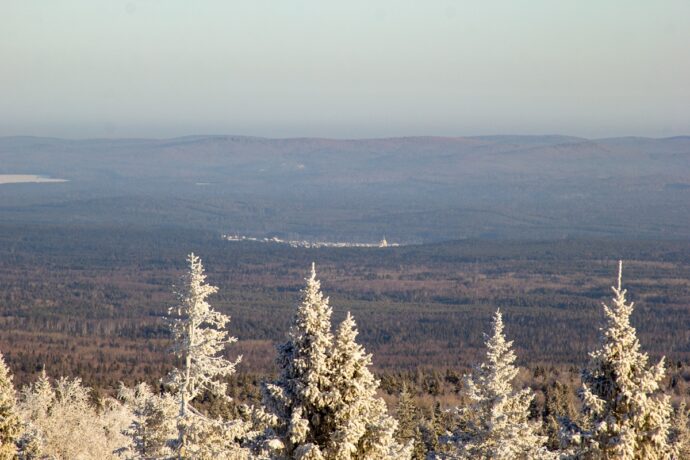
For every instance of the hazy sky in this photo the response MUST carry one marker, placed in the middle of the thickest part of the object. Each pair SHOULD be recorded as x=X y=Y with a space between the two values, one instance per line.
x=350 y=68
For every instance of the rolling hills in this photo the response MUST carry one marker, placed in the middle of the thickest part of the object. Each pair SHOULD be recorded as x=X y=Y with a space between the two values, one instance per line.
x=415 y=189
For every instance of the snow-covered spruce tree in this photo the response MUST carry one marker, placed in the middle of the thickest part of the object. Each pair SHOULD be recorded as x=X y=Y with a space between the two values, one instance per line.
x=61 y=423
x=153 y=421
x=627 y=416
x=301 y=398
x=496 y=424
x=325 y=397
x=115 y=419
x=10 y=425
x=363 y=428
x=199 y=337
x=34 y=404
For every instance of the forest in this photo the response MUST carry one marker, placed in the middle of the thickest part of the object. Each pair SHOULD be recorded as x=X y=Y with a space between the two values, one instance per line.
x=89 y=302
x=251 y=230
x=141 y=357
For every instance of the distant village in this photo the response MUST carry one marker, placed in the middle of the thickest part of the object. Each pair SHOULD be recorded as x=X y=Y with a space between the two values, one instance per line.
x=311 y=244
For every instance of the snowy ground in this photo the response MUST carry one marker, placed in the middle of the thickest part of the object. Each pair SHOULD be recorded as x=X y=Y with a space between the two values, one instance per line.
x=26 y=178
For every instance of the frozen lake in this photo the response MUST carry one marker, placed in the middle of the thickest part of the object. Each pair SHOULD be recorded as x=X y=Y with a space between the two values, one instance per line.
x=27 y=178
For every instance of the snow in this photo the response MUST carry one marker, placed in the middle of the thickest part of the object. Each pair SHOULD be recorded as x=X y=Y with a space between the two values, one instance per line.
x=28 y=179
x=199 y=337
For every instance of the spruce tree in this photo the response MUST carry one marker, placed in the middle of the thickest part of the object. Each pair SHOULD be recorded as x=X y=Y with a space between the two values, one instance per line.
x=301 y=396
x=35 y=402
x=10 y=424
x=325 y=399
x=557 y=408
x=152 y=426
x=437 y=428
x=362 y=427
x=628 y=417
x=199 y=338
x=496 y=421
x=407 y=415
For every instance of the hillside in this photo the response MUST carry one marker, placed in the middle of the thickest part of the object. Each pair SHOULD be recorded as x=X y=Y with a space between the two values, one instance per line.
x=415 y=189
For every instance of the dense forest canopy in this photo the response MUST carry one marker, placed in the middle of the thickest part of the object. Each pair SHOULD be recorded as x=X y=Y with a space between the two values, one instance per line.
x=91 y=301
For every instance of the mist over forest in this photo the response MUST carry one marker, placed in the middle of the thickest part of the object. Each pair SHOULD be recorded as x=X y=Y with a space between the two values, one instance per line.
x=412 y=190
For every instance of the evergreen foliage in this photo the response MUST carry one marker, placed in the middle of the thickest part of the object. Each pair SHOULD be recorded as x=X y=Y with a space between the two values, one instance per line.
x=627 y=417
x=153 y=421
x=495 y=423
x=199 y=338
x=325 y=398
x=61 y=423
x=407 y=415
x=363 y=428
x=10 y=424
x=324 y=405
x=558 y=408
x=680 y=431
x=301 y=395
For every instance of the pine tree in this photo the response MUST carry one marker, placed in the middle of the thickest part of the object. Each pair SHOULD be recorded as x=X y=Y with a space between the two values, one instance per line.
x=627 y=416
x=199 y=337
x=496 y=421
x=10 y=424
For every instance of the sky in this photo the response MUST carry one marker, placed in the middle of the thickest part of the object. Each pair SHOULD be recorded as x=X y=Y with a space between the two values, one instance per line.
x=344 y=69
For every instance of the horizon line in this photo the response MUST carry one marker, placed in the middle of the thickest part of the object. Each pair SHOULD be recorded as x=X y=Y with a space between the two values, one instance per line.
x=342 y=139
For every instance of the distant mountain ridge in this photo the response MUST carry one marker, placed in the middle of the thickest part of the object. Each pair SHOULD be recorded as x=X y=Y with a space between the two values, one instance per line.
x=554 y=186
